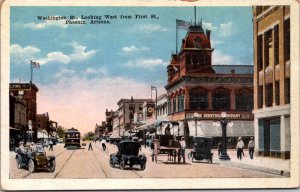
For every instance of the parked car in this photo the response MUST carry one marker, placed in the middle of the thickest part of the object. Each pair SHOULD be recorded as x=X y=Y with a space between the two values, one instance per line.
x=33 y=158
x=128 y=155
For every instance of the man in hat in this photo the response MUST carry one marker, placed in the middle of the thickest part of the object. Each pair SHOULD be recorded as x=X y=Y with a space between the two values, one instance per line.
x=182 y=149
x=239 y=147
x=251 y=147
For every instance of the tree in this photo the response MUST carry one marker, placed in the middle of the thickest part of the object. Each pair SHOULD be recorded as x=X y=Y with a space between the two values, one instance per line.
x=60 y=131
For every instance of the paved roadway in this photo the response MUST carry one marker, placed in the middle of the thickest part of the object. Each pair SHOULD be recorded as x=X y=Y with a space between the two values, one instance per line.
x=83 y=164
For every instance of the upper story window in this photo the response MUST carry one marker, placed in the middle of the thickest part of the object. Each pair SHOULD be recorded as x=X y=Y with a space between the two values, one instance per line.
x=198 y=99
x=221 y=99
x=244 y=101
x=198 y=42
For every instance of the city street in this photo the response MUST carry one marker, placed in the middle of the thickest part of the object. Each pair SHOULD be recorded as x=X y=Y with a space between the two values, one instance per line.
x=84 y=164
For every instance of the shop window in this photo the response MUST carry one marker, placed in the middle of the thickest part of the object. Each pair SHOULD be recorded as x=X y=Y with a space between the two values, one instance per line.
x=244 y=101
x=287 y=40
x=269 y=95
x=198 y=100
x=221 y=99
x=287 y=90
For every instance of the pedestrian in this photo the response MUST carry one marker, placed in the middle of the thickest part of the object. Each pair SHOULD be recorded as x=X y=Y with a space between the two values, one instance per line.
x=251 y=147
x=50 y=145
x=182 y=149
x=239 y=147
x=219 y=148
x=103 y=143
x=155 y=150
x=90 y=146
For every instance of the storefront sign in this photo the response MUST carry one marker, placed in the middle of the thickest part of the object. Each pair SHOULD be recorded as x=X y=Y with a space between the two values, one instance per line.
x=218 y=116
x=19 y=86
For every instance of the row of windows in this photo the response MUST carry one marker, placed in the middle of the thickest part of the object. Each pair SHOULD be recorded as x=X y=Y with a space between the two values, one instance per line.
x=268 y=46
x=220 y=101
x=269 y=94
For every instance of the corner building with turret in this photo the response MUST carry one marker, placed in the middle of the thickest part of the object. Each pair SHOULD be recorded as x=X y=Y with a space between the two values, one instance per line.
x=195 y=86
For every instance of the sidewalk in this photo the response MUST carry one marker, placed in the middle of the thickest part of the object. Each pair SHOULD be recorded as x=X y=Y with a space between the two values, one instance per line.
x=263 y=164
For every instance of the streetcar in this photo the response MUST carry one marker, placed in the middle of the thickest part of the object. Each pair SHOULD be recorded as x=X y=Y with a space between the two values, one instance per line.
x=72 y=139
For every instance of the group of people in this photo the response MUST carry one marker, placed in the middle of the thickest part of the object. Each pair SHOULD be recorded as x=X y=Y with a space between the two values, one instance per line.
x=103 y=143
x=240 y=148
x=155 y=145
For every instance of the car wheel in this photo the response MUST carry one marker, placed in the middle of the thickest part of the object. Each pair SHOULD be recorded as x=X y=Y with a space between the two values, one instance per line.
x=143 y=166
x=31 y=166
x=122 y=165
x=52 y=166
x=111 y=163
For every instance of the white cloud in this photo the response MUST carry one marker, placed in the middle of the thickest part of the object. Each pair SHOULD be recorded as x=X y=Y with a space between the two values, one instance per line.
x=79 y=53
x=216 y=42
x=148 y=63
x=24 y=54
x=58 y=57
x=209 y=26
x=61 y=23
x=21 y=54
x=150 y=28
x=227 y=29
x=64 y=72
x=81 y=103
x=101 y=70
x=218 y=58
x=131 y=50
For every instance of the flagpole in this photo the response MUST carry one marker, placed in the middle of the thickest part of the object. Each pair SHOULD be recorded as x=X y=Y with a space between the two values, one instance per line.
x=176 y=38
x=31 y=69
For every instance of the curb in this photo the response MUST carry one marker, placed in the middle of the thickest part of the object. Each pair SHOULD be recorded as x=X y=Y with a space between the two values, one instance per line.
x=254 y=168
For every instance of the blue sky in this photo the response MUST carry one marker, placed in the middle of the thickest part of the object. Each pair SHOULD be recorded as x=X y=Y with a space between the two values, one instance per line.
x=88 y=68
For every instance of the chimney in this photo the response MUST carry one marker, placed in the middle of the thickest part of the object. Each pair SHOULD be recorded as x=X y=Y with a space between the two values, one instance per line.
x=208 y=34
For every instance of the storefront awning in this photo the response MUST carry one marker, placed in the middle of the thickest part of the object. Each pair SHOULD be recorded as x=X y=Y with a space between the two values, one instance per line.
x=206 y=128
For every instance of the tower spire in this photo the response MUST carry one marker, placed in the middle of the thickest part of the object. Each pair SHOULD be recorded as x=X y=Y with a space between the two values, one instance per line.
x=195 y=13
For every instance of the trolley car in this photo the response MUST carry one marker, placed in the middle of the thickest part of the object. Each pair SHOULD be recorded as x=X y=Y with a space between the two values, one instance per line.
x=72 y=139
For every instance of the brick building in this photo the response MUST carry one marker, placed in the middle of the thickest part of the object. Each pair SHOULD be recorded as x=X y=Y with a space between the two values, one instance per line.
x=272 y=80
x=197 y=86
x=27 y=93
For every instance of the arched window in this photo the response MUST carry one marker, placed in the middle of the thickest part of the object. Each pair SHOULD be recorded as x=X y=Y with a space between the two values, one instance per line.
x=198 y=99
x=174 y=105
x=198 y=42
x=221 y=99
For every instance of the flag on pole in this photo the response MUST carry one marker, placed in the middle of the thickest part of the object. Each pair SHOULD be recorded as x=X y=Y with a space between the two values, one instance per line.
x=180 y=24
x=153 y=88
x=35 y=64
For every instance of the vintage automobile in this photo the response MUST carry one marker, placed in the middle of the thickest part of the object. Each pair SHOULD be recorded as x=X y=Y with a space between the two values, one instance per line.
x=202 y=149
x=34 y=158
x=128 y=155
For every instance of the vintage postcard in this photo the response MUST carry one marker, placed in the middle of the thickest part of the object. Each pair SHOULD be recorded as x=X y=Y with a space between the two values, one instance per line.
x=149 y=95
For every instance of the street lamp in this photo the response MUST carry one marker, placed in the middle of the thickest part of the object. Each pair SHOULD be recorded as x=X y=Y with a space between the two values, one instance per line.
x=196 y=115
x=224 y=122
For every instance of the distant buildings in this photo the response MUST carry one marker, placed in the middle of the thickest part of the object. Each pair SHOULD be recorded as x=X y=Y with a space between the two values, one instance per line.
x=25 y=123
x=272 y=80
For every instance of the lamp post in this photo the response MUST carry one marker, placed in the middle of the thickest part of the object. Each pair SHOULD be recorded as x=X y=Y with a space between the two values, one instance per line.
x=224 y=122
x=196 y=115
